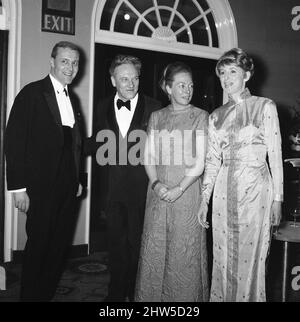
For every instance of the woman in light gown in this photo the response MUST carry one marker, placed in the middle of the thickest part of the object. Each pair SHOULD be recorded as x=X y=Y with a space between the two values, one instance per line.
x=247 y=199
x=173 y=257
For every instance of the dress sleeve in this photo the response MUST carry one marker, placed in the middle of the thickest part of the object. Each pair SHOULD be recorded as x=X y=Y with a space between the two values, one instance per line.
x=200 y=133
x=213 y=161
x=149 y=153
x=151 y=123
x=203 y=123
x=273 y=142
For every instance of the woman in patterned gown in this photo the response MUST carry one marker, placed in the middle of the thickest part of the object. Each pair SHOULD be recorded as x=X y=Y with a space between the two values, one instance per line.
x=173 y=263
x=247 y=198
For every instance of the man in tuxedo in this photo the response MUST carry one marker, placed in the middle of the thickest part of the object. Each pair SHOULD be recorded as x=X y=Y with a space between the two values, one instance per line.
x=123 y=184
x=42 y=146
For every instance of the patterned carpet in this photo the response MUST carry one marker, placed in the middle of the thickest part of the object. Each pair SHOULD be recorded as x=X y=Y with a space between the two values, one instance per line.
x=84 y=280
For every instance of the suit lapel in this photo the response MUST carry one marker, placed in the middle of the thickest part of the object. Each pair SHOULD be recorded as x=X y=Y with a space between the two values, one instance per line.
x=77 y=116
x=76 y=132
x=50 y=97
x=111 y=117
x=137 y=120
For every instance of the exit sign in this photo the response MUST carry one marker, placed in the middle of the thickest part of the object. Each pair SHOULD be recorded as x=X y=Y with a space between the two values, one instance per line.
x=58 y=16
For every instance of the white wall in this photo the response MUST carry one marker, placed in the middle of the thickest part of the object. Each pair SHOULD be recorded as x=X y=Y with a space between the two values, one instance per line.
x=36 y=47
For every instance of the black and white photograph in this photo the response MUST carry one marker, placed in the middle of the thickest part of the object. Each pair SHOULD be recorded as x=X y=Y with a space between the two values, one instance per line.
x=149 y=154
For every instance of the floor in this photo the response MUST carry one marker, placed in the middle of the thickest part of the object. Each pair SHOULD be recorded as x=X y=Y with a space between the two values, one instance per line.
x=86 y=279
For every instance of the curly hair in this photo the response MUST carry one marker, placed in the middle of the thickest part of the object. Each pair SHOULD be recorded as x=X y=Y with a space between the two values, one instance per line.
x=237 y=57
x=125 y=59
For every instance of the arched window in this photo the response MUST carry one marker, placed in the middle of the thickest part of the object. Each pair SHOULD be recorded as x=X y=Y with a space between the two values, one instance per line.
x=202 y=28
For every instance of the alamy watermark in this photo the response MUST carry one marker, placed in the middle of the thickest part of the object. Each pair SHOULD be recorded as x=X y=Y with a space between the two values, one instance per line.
x=296 y=280
x=295 y=23
x=165 y=147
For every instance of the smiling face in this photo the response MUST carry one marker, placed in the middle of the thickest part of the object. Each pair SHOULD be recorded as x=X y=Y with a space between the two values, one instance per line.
x=181 y=90
x=64 y=66
x=233 y=79
x=126 y=81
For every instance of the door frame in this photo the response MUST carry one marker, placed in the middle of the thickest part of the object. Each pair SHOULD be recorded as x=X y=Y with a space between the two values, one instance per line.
x=228 y=39
x=3 y=106
x=13 y=24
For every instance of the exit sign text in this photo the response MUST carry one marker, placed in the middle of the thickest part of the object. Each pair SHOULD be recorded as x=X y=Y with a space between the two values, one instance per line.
x=58 y=24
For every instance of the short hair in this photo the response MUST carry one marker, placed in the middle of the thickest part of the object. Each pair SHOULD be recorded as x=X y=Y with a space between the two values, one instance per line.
x=125 y=59
x=169 y=73
x=237 y=57
x=64 y=44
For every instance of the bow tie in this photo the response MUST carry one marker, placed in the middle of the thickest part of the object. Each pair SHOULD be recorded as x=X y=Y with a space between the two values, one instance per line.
x=120 y=103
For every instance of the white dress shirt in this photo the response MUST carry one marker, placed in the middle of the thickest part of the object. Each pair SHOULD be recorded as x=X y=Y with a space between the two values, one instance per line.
x=123 y=115
x=64 y=103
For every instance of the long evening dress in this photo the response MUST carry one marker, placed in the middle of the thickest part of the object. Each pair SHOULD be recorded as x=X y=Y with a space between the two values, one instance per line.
x=241 y=137
x=173 y=257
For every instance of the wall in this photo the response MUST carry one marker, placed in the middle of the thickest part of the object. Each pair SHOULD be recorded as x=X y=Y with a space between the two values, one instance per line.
x=270 y=32
x=36 y=47
x=265 y=30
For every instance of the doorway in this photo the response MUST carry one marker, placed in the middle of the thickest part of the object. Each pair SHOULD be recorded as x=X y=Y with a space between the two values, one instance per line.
x=207 y=95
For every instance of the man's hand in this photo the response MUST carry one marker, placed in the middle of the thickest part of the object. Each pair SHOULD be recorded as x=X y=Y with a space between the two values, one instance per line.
x=21 y=201
x=79 y=190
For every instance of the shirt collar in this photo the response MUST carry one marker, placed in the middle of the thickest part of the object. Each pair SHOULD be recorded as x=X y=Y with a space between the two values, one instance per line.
x=57 y=85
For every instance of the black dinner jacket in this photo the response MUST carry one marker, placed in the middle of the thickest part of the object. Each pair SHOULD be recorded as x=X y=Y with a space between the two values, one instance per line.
x=34 y=138
x=126 y=183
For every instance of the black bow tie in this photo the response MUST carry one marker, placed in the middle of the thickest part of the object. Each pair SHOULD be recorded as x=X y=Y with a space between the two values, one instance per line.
x=120 y=103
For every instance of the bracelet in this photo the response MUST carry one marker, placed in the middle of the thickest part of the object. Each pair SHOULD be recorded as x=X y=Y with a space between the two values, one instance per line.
x=154 y=184
x=180 y=188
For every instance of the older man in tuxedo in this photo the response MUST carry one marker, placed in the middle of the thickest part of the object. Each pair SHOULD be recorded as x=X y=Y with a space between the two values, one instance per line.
x=42 y=146
x=124 y=182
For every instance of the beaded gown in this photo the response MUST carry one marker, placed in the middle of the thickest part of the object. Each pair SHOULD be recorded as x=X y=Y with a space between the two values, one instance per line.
x=242 y=135
x=173 y=257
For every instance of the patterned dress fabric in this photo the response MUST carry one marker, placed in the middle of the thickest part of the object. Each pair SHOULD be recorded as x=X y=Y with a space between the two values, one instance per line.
x=173 y=258
x=241 y=137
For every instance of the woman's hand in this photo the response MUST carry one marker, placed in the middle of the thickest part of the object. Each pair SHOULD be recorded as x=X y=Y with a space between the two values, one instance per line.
x=276 y=212
x=172 y=194
x=202 y=214
x=160 y=189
